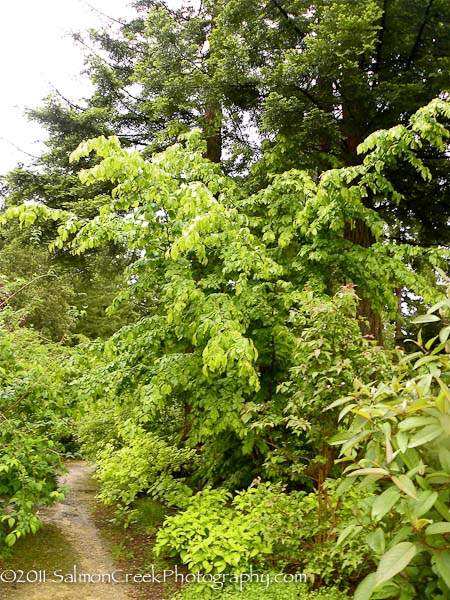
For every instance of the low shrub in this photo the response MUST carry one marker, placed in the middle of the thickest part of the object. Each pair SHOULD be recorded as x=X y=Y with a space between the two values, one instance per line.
x=267 y=527
x=144 y=464
x=33 y=421
x=260 y=591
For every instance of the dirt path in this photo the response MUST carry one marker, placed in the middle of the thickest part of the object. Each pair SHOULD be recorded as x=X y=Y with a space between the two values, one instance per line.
x=66 y=552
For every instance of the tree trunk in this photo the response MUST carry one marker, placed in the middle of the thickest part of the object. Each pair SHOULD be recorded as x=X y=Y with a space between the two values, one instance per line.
x=213 y=115
x=359 y=233
x=370 y=323
x=213 y=133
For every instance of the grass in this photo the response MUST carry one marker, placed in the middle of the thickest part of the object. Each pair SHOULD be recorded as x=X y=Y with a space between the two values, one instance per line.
x=47 y=550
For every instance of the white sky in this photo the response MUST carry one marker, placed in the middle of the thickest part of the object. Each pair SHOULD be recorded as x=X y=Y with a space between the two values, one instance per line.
x=37 y=54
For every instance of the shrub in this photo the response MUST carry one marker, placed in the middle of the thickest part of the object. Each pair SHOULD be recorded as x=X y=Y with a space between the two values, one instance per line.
x=144 y=464
x=259 y=591
x=266 y=526
x=399 y=446
x=33 y=418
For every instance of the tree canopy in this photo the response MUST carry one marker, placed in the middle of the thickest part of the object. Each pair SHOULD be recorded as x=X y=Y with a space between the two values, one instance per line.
x=273 y=86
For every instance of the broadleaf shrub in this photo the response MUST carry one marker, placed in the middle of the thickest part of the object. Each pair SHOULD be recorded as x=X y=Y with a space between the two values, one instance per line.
x=143 y=463
x=260 y=591
x=398 y=445
x=264 y=526
x=34 y=420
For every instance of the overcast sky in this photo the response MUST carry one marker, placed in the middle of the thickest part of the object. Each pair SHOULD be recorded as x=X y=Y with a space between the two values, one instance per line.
x=37 y=54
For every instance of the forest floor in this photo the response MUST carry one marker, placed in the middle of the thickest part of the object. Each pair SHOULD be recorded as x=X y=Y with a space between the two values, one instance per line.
x=77 y=543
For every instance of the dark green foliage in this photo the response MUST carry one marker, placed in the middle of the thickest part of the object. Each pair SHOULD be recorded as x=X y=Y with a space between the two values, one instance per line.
x=64 y=296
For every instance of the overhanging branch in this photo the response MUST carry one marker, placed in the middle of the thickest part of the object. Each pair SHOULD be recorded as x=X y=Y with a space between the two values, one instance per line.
x=286 y=15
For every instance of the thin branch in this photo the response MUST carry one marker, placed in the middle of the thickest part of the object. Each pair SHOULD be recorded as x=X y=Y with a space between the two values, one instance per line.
x=115 y=91
x=30 y=283
x=19 y=148
x=418 y=39
x=95 y=9
x=66 y=100
x=287 y=16
x=310 y=98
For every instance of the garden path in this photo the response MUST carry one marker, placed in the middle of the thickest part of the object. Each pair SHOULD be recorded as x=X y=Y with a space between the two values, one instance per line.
x=68 y=545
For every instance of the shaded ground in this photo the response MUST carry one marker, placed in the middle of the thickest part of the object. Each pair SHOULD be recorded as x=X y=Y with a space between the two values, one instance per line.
x=132 y=548
x=70 y=549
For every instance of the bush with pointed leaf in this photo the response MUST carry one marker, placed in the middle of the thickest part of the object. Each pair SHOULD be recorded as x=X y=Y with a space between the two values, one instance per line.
x=398 y=445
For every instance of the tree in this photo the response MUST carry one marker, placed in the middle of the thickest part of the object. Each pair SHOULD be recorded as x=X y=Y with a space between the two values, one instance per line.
x=248 y=266
x=61 y=295
x=340 y=71
x=276 y=85
x=223 y=274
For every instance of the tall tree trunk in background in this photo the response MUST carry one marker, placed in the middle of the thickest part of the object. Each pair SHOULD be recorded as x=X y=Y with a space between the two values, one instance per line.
x=359 y=233
x=213 y=116
x=212 y=132
x=371 y=325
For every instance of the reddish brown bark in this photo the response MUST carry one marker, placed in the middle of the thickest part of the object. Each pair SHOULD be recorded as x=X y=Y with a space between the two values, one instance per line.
x=370 y=323
x=359 y=233
x=213 y=134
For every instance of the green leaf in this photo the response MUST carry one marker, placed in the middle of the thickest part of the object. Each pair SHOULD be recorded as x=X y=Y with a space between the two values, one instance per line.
x=402 y=441
x=444 y=334
x=384 y=502
x=344 y=485
x=10 y=539
x=351 y=529
x=430 y=342
x=444 y=458
x=437 y=306
x=437 y=528
x=425 y=319
x=425 y=502
x=366 y=588
x=442 y=563
x=404 y=483
x=442 y=509
x=393 y=561
x=376 y=541
x=339 y=402
x=369 y=471
x=444 y=420
x=426 y=435
x=413 y=422
x=402 y=534
x=346 y=410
